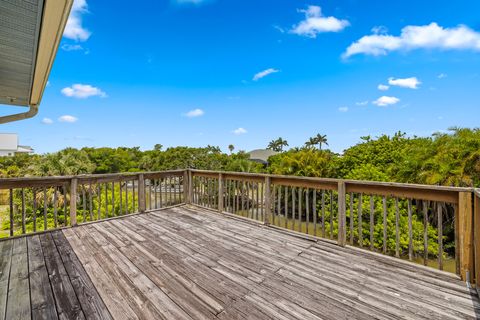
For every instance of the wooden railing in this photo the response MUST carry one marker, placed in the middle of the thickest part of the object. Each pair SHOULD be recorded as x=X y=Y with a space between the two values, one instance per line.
x=46 y=203
x=431 y=225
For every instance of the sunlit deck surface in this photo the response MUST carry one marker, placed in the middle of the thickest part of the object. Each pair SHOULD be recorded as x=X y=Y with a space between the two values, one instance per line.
x=190 y=263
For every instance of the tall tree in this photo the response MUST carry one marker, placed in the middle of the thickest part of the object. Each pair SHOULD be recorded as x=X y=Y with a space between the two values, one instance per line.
x=312 y=142
x=277 y=145
x=321 y=139
x=231 y=147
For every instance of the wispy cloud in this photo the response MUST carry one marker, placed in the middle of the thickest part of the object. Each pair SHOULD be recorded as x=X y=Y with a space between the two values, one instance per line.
x=386 y=101
x=410 y=83
x=83 y=91
x=264 y=73
x=71 y=47
x=239 y=131
x=442 y=76
x=74 y=29
x=194 y=113
x=383 y=87
x=68 y=118
x=47 y=121
x=316 y=23
x=431 y=36
x=361 y=103
x=190 y=2
x=343 y=109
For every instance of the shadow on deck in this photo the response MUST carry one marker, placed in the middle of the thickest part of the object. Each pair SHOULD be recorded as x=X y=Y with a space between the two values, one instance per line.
x=190 y=263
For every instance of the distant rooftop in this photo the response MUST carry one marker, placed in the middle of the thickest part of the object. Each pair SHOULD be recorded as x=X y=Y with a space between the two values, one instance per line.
x=261 y=155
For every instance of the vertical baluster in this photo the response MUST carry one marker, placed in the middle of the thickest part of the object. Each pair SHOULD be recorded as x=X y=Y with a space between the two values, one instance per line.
x=84 y=202
x=113 y=199
x=440 y=235
x=279 y=203
x=55 y=218
x=307 y=209
x=99 y=193
x=91 y=201
x=315 y=212
x=286 y=207
x=300 y=192
x=372 y=220
x=293 y=207
x=155 y=188
x=384 y=225
x=351 y=218
x=397 y=233
x=34 y=210
x=243 y=196
x=323 y=213
x=11 y=212
x=257 y=209
x=425 y=232
x=65 y=217
x=360 y=220
x=331 y=214
x=133 y=197
x=237 y=196
x=127 y=210
x=106 y=200
x=45 y=222
x=262 y=199
x=121 y=198
x=410 y=231
x=23 y=211
x=148 y=183
x=274 y=203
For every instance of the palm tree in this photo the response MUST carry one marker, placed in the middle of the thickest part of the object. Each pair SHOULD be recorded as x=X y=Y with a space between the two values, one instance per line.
x=321 y=139
x=311 y=142
x=231 y=147
x=277 y=145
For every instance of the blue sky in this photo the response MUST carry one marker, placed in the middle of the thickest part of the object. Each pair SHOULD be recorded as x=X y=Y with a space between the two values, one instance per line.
x=243 y=72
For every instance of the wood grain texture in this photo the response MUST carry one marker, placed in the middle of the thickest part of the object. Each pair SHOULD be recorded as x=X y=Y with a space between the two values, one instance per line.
x=187 y=262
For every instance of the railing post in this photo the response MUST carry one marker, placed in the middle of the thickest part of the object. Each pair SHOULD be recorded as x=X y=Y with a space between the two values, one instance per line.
x=465 y=237
x=476 y=230
x=186 y=184
x=342 y=216
x=73 y=202
x=267 y=202
x=190 y=187
x=220 y=192
x=141 y=193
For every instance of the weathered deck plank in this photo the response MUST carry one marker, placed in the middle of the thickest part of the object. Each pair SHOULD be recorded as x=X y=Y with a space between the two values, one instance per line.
x=191 y=263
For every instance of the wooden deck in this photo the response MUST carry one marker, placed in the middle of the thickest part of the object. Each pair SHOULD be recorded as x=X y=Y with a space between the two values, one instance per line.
x=190 y=263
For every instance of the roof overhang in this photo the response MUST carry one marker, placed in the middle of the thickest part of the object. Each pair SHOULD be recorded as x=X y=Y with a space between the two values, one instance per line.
x=30 y=33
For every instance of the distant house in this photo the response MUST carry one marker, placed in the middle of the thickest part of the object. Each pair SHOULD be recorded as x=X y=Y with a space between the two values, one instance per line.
x=261 y=155
x=9 y=145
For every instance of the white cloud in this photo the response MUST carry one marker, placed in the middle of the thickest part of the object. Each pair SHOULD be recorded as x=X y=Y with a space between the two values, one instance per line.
x=195 y=2
x=47 y=121
x=239 y=131
x=71 y=47
x=74 y=29
x=379 y=30
x=264 y=73
x=83 y=91
x=430 y=36
x=442 y=76
x=343 y=109
x=315 y=23
x=68 y=118
x=383 y=87
x=361 y=103
x=386 y=101
x=194 y=113
x=411 y=83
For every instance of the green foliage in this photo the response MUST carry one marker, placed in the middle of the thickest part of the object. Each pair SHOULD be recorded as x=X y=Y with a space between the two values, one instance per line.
x=303 y=162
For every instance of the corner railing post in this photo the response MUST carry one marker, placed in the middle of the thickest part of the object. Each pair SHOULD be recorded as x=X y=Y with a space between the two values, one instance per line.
x=73 y=202
x=141 y=193
x=476 y=238
x=342 y=217
x=220 y=192
x=267 y=201
x=465 y=237
x=190 y=187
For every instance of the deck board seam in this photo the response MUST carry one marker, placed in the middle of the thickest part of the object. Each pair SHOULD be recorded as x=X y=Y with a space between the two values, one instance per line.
x=49 y=279
x=268 y=276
